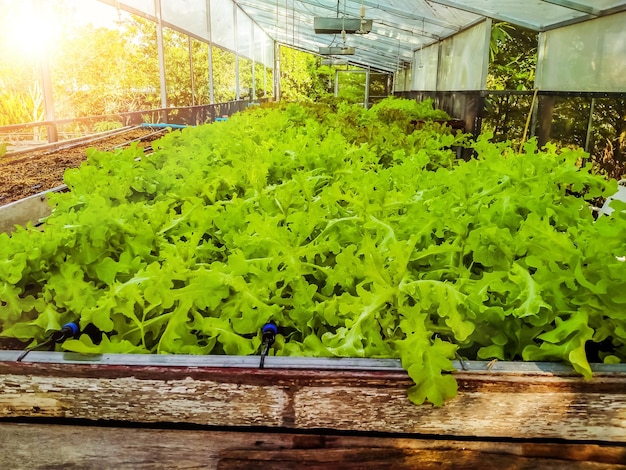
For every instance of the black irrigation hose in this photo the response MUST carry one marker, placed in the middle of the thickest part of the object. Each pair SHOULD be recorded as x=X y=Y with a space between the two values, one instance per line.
x=67 y=331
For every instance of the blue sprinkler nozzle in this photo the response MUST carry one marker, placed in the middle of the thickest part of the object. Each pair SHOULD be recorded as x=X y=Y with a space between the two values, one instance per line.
x=268 y=332
x=69 y=330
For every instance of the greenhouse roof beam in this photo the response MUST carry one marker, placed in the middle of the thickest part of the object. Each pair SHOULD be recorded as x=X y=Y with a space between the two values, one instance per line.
x=589 y=10
x=460 y=5
x=538 y=15
x=407 y=28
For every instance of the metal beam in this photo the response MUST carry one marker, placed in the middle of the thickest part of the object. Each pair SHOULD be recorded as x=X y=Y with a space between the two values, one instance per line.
x=575 y=6
x=580 y=19
x=410 y=31
x=161 y=56
x=484 y=368
x=487 y=14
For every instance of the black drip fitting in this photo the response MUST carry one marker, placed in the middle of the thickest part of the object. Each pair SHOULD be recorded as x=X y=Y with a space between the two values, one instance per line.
x=268 y=332
x=67 y=331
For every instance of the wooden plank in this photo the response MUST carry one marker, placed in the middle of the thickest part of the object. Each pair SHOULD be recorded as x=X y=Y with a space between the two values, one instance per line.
x=33 y=445
x=291 y=362
x=489 y=405
x=64 y=144
x=31 y=209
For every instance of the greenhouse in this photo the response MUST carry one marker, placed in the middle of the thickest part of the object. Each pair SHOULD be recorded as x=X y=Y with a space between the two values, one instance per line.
x=312 y=234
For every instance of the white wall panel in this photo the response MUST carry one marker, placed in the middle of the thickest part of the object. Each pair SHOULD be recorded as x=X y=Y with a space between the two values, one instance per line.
x=222 y=23
x=425 y=66
x=588 y=56
x=189 y=15
x=464 y=59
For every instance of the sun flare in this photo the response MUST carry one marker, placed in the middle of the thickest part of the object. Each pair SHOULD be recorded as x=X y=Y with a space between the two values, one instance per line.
x=32 y=29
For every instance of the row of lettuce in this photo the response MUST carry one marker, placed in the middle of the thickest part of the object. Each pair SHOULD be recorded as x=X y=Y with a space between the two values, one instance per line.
x=358 y=232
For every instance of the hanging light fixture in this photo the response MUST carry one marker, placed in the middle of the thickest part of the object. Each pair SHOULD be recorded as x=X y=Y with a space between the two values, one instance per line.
x=337 y=25
x=362 y=28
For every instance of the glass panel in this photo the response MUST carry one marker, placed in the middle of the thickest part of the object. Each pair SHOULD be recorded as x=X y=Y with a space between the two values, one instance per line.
x=606 y=143
x=200 y=72
x=189 y=15
x=407 y=79
x=177 y=68
x=505 y=116
x=269 y=53
x=588 y=56
x=399 y=79
x=145 y=6
x=244 y=34
x=352 y=86
x=21 y=93
x=258 y=44
x=224 y=83
x=464 y=59
x=440 y=20
x=378 y=87
x=259 y=80
x=269 y=82
x=222 y=23
x=529 y=13
x=425 y=69
x=106 y=70
x=245 y=78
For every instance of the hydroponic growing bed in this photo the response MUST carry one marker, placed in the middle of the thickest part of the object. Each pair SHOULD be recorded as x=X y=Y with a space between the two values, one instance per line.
x=358 y=235
x=27 y=176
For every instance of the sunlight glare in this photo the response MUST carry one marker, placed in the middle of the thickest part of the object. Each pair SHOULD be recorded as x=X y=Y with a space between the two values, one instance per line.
x=31 y=30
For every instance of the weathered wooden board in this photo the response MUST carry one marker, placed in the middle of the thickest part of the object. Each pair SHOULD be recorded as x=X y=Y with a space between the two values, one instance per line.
x=534 y=403
x=35 y=445
x=31 y=209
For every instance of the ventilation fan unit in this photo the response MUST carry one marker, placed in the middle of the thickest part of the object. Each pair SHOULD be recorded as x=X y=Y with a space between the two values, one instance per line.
x=337 y=50
x=337 y=25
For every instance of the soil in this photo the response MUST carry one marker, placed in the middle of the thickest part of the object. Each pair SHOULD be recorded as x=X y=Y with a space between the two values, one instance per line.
x=26 y=174
x=12 y=344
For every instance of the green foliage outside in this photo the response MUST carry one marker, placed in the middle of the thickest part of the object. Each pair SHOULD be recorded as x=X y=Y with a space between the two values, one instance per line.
x=513 y=55
x=100 y=70
x=358 y=238
x=513 y=58
x=303 y=78
x=352 y=86
x=104 y=126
